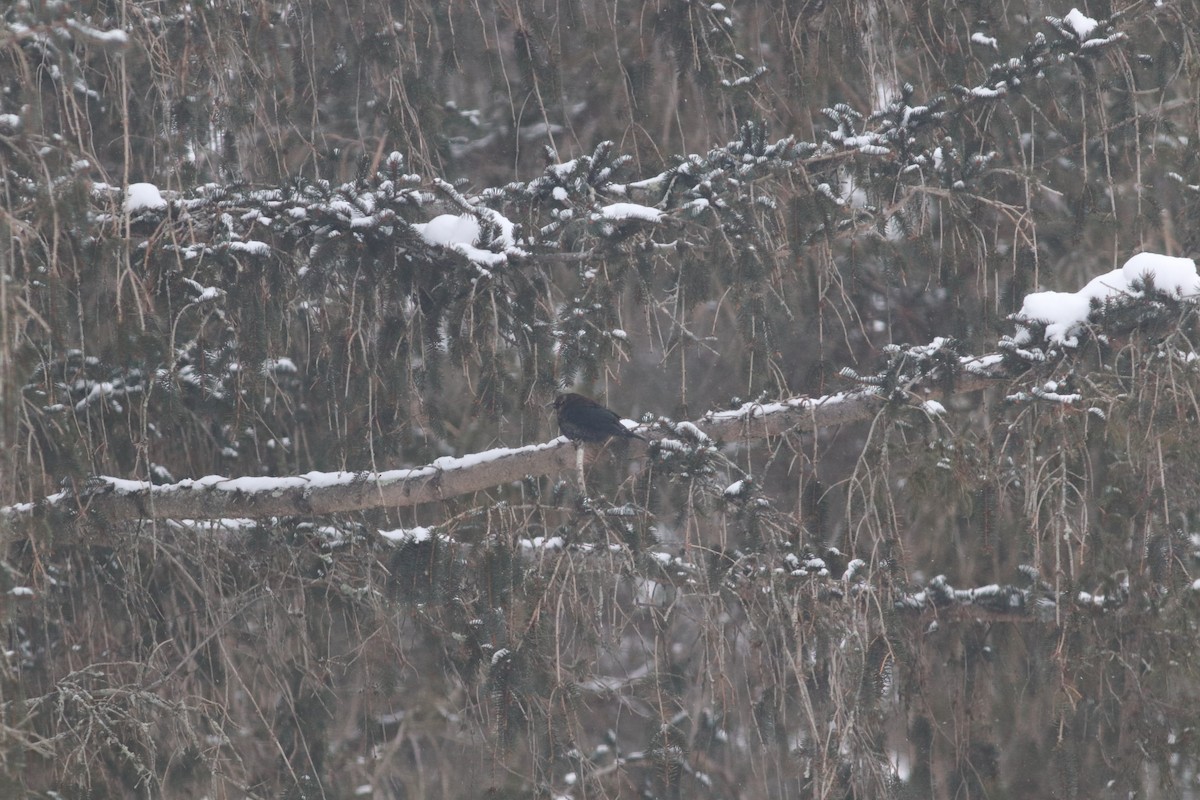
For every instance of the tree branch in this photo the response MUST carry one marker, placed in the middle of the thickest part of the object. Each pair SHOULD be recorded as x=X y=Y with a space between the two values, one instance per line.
x=319 y=493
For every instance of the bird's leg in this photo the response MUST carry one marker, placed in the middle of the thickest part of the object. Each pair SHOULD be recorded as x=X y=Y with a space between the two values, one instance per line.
x=579 y=448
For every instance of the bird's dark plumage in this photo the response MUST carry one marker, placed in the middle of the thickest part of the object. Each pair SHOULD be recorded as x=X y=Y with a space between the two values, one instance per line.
x=584 y=420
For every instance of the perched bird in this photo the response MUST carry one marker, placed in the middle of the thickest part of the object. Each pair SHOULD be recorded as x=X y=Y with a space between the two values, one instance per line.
x=584 y=420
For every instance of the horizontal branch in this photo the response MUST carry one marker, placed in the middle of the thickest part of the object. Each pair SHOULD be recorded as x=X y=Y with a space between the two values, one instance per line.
x=319 y=493
x=760 y=420
x=314 y=493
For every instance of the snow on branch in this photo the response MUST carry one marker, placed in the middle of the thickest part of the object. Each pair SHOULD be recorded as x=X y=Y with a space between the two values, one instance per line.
x=1148 y=289
x=1073 y=37
x=313 y=493
x=318 y=493
x=829 y=571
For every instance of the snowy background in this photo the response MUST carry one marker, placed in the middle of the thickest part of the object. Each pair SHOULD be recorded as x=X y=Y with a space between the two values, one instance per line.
x=902 y=294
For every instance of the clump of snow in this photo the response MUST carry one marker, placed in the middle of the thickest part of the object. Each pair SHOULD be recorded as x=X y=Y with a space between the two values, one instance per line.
x=933 y=408
x=1065 y=313
x=449 y=229
x=542 y=543
x=989 y=92
x=461 y=233
x=1080 y=23
x=115 y=37
x=253 y=247
x=408 y=535
x=209 y=293
x=282 y=366
x=630 y=211
x=1174 y=274
x=143 y=195
x=985 y=40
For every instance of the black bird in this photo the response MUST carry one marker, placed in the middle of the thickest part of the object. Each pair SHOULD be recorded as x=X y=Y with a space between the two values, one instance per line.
x=584 y=420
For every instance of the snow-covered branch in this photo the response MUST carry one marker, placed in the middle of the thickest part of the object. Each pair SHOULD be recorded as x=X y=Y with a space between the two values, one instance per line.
x=313 y=493
x=318 y=493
